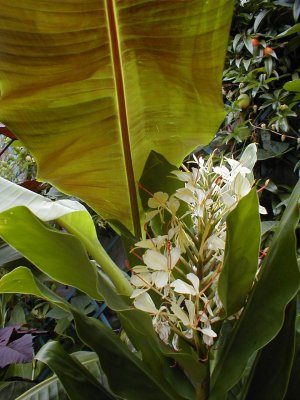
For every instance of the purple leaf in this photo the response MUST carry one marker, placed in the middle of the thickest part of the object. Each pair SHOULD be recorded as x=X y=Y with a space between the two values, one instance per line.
x=5 y=334
x=18 y=351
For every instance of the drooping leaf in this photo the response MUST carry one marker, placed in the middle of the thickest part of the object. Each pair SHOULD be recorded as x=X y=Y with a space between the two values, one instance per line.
x=127 y=375
x=69 y=214
x=91 y=87
x=77 y=381
x=263 y=315
x=52 y=389
x=57 y=254
x=241 y=253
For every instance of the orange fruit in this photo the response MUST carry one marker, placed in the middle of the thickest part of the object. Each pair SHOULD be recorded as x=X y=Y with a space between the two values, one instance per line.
x=255 y=42
x=268 y=51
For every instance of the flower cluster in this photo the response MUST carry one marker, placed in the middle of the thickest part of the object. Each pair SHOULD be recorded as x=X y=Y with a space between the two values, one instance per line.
x=177 y=280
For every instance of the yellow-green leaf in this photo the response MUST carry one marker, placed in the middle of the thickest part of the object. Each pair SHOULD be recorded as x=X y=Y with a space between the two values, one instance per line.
x=91 y=86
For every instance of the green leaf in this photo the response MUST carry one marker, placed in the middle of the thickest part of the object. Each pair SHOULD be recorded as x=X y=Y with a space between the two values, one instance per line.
x=293 y=86
x=127 y=375
x=77 y=381
x=11 y=390
x=139 y=328
x=241 y=253
x=69 y=214
x=90 y=90
x=259 y=18
x=52 y=389
x=59 y=255
x=62 y=257
x=272 y=371
x=288 y=32
x=263 y=315
x=158 y=166
x=155 y=166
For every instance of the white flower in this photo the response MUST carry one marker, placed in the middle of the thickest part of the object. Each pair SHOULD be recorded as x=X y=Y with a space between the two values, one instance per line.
x=158 y=268
x=140 y=277
x=241 y=186
x=215 y=243
x=186 y=195
x=159 y=199
x=180 y=314
x=262 y=210
x=145 y=303
x=183 y=287
x=208 y=336
x=153 y=244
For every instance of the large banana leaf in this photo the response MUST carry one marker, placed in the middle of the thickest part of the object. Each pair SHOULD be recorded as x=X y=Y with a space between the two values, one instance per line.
x=91 y=86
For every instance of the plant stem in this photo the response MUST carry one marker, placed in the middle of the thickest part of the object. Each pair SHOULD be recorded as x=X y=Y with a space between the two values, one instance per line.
x=95 y=249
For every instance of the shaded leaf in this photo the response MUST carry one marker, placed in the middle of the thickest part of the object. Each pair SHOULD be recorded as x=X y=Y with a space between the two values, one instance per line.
x=11 y=390
x=259 y=18
x=263 y=315
x=77 y=381
x=272 y=371
x=134 y=379
x=52 y=389
x=288 y=32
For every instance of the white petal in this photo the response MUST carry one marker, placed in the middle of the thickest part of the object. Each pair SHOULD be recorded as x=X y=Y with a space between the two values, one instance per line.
x=262 y=210
x=182 y=176
x=158 y=200
x=141 y=280
x=190 y=306
x=183 y=287
x=174 y=256
x=185 y=195
x=150 y=215
x=208 y=332
x=241 y=186
x=173 y=204
x=145 y=303
x=155 y=260
x=160 y=279
x=215 y=243
x=222 y=171
x=249 y=156
x=228 y=200
x=180 y=314
x=194 y=280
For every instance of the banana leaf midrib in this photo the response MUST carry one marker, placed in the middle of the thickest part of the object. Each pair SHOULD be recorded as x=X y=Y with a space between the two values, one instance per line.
x=121 y=101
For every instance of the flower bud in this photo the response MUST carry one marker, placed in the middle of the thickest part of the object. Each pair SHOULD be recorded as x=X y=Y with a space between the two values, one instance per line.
x=283 y=137
x=274 y=127
x=263 y=126
x=255 y=108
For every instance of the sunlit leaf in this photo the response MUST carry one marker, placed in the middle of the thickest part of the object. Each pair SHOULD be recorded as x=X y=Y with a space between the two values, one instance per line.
x=92 y=86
